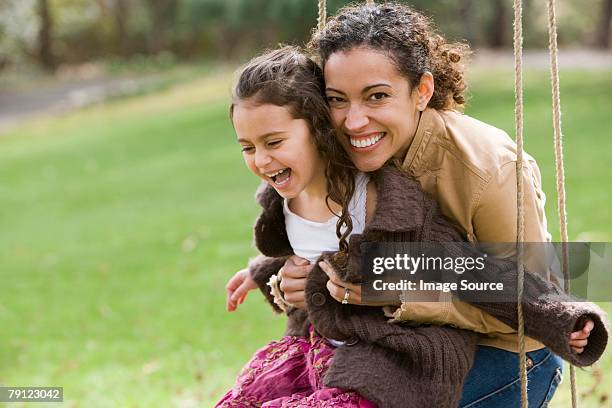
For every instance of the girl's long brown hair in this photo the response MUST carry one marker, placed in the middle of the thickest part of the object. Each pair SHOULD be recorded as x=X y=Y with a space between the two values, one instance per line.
x=287 y=77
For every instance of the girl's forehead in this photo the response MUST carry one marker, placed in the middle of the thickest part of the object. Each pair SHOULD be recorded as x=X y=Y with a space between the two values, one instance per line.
x=256 y=110
x=253 y=121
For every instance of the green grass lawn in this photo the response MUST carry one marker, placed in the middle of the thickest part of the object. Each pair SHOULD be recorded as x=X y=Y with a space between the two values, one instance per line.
x=121 y=224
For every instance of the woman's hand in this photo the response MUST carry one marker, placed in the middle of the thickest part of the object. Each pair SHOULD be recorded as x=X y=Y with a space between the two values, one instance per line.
x=237 y=289
x=293 y=282
x=337 y=288
x=579 y=339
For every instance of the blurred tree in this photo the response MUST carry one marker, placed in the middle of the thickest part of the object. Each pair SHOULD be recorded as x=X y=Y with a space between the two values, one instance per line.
x=19 y=27
x=74 y=31
x=45 y=36
x=469 y=26
x=163 y=19
x=121 y=15
x=603 y=35
x=498 y=24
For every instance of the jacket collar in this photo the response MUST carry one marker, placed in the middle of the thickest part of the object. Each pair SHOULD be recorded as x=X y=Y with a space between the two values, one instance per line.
x=429 y=123
x=400 y=207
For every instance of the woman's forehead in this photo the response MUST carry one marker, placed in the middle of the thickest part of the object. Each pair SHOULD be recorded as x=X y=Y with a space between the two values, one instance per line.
x=359 y=68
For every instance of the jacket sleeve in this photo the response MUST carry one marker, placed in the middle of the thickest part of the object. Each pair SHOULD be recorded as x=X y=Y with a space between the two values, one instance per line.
x=495 y=215
x=551 y=315
x=448 y=311
x=261 y=269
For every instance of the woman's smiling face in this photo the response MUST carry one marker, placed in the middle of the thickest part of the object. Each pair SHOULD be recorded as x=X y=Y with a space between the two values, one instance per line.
x=374 y=108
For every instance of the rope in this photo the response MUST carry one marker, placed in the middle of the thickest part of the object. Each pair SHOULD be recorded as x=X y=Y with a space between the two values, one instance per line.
x=518 y=121
x=559 y=171
x=322 y=14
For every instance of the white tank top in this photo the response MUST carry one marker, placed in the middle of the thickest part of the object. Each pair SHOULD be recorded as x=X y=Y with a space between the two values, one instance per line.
x=309 y=239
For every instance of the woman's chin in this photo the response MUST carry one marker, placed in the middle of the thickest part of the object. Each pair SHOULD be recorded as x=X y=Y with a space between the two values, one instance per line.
x=368 y=164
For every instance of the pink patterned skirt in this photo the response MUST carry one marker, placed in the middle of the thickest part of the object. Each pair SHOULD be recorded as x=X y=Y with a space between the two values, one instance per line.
x=289 y=373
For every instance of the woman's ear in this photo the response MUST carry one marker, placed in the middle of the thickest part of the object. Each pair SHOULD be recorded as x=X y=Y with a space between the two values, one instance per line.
x=425 y=90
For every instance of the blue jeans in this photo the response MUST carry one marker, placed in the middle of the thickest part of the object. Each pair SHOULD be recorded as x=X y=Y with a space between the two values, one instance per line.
x=494 y=380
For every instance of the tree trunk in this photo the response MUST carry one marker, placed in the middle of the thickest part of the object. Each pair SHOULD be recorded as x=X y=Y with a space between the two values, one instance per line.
x=603 y=34
x=45 y=34
x=121 y=17
x=466 y=11
x=163 y=15
x=499 y=24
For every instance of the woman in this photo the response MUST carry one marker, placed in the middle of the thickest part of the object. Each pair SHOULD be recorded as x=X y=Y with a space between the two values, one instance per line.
x=392 y=84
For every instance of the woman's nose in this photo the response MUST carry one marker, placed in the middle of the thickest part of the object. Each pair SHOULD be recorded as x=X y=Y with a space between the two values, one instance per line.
x=356 y=119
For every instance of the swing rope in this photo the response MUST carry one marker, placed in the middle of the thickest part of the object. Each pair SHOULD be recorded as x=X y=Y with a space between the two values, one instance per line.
x=322 y=14
x=559 y=175
x=518 y=123
x=559 y=167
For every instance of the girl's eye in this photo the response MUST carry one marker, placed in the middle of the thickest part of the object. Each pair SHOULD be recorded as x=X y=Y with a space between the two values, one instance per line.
x=274 y=142
x=247 y=149
x=378 y=96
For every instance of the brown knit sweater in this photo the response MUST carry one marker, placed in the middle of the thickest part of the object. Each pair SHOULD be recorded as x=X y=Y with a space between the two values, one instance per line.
x=394 y=365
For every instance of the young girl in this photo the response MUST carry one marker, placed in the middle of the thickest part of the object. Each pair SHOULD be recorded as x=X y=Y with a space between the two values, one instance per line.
x=283 y=127
x=313 y=195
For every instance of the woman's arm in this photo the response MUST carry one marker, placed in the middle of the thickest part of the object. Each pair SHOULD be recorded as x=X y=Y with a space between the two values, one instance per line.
x=495 y=217
x=498 y=317
x=426 y=308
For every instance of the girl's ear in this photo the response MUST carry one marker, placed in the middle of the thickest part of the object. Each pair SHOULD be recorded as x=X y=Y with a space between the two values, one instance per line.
x=425 y=90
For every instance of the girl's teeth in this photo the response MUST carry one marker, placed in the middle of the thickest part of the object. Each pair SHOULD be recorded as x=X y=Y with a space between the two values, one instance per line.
x=276 y=174
x=366 y=142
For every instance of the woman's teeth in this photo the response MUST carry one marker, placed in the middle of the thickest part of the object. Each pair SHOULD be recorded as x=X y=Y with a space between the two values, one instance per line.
x=366 y=142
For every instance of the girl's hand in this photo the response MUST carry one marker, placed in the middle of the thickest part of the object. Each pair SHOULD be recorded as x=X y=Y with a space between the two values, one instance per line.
x=293 y=283
x=237 y=289
x=579 y=339
x=337 y=288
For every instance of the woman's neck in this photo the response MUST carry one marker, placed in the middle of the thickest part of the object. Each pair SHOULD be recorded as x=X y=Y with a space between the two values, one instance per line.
x=402 y=152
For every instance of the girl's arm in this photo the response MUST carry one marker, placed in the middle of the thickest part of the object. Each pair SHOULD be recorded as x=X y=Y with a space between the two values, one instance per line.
x=261 y=268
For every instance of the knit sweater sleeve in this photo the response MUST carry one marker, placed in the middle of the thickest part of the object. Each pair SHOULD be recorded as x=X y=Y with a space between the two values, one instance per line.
x=550 y=314
x=261 y=268
x=442 y=349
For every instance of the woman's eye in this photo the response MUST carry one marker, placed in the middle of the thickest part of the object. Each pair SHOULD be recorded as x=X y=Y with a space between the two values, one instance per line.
x=247 y=149
x=274 y=143
x=378 y=96
x=334 y=100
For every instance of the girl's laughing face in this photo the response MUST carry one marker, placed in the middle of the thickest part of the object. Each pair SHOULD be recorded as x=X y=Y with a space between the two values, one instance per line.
x=277 y=148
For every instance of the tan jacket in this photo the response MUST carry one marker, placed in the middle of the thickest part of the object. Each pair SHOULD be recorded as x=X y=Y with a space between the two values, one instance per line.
x=469 y=167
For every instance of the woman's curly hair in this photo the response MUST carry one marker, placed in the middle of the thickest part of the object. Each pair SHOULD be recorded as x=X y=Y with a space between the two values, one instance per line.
x=408 y=37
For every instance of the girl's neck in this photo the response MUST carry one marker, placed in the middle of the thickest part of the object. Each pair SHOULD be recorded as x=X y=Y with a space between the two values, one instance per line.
x=310 y=202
